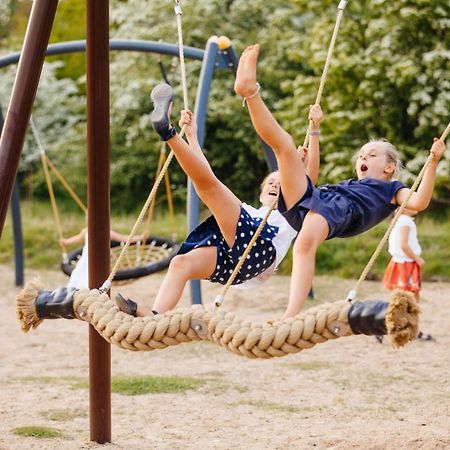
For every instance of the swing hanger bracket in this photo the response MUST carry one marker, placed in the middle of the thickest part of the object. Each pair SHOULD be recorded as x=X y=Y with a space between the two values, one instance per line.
x=177 y=8
x=342 y=5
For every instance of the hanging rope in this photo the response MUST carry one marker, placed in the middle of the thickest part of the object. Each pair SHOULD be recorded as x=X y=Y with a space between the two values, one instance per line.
x=398 y=319
x=107 y=284
x=353 y=293
x=220 y=298
x=341 y=8
x=51 y=193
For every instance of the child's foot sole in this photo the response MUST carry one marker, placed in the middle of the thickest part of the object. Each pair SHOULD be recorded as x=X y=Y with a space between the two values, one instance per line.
x=245 y=84
x=162 y=96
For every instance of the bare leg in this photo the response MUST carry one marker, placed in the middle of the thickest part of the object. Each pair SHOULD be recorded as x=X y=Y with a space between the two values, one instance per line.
x=314 y=231
x=197 y=264
x=224 y=205
x=290 y=163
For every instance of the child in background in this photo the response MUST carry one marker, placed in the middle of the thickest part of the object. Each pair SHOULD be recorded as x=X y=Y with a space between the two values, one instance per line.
x=404 y=268
x=79 y=278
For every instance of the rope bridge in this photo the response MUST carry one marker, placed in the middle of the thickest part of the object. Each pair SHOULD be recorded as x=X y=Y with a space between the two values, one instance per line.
x=398 y=319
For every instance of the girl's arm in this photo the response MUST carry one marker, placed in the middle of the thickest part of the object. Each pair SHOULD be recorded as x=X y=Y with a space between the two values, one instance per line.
x=75 y=239
x=119 y=237
x=407 y=250
x=421 y=199
x=313 y=152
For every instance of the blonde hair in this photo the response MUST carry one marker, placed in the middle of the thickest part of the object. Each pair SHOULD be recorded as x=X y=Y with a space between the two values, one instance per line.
x=392 y=154
x=264 y=181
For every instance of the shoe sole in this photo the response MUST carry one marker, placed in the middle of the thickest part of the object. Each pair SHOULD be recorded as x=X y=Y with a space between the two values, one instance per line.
x=161 y=96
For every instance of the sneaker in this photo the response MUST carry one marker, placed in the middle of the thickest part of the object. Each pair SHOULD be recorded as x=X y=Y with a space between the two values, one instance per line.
x=126 y=305
x=162 y=96
x=424 y=337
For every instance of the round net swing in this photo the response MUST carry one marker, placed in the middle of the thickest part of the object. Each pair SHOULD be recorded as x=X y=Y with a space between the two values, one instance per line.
x=140 y=260
x=142 y=257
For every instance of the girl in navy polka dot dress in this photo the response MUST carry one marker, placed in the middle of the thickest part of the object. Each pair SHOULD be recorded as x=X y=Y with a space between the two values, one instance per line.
x=213 y=249
x=319 y=213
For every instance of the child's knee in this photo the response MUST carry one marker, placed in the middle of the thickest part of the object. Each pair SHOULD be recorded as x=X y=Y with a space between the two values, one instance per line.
x=305 y=244
x=180 y=263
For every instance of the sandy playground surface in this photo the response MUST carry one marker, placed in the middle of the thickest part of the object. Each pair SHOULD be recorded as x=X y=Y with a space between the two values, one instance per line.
x=349 y=393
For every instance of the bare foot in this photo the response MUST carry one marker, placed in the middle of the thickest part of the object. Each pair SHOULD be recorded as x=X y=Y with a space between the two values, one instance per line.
x=245 y=84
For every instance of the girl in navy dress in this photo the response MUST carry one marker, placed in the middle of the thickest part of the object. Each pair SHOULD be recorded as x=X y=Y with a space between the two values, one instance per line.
x=340 y=210
x=213 y=249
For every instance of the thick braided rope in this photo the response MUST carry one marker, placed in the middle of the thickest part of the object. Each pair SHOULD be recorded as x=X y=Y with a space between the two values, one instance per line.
x=352 y=294
x=253 y=340
x=107 y=284
x=219 y=299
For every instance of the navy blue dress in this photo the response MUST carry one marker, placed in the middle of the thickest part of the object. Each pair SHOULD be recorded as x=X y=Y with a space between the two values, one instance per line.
x=261 y=257
x=350 y=207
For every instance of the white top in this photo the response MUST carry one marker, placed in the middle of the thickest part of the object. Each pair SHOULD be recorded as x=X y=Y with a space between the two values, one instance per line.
x=79 y=278
x=282 y=241
x=398 y=255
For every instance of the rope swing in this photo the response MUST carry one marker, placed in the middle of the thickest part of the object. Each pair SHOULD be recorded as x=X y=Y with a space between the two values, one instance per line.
x=398 y=319
x=107 y=284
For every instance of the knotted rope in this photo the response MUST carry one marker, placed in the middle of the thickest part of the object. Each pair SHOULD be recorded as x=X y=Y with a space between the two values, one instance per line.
x=251 y=339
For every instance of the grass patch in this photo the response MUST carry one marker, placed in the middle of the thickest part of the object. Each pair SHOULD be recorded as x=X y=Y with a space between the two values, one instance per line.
x=309 y=365
x=129 y=385
x=268 y=406
x=37 y=432
x=153 y=385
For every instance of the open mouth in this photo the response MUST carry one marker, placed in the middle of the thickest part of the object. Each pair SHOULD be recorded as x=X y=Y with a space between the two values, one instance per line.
x=364 y=168
x=273 y=193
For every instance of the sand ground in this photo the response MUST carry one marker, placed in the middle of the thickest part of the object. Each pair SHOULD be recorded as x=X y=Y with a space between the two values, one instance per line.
x=349 y=393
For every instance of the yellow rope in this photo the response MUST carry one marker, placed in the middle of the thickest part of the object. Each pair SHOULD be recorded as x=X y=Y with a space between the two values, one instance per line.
x=353 y=293
x=53 y=203
x=67 y=186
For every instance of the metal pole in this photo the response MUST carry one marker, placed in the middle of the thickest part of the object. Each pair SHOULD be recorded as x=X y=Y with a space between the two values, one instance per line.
x=201 y=106
x=17 y=226
x=18 y=236
x=22 y=97
x=97 y=54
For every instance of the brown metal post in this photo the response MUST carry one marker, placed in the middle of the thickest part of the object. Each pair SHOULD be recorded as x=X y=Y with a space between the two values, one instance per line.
x=22 y=98
x=97 y=53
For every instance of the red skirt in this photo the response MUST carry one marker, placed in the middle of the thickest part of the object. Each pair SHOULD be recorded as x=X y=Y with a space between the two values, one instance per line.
x=404 y=276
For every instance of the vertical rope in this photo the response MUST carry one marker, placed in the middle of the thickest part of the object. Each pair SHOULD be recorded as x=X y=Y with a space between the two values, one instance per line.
x=107 y=284
x=58 y=174
x=323 y=79
x=48 y=181
x=353 y=293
